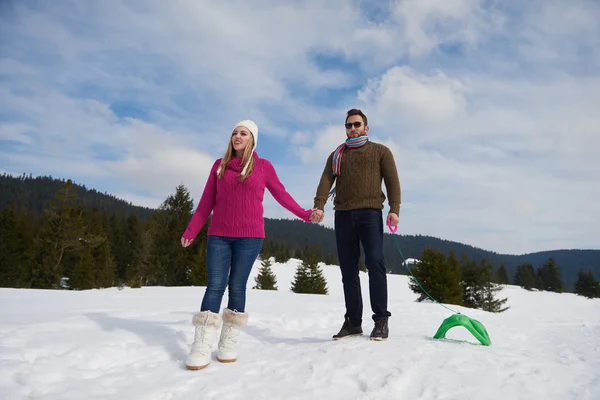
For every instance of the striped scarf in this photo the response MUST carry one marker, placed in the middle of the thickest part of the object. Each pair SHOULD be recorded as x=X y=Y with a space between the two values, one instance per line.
x=351 y=143
x=337 y=155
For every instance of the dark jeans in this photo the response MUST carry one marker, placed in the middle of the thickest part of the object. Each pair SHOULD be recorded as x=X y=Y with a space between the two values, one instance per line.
x=364 y=226
x=229 y=261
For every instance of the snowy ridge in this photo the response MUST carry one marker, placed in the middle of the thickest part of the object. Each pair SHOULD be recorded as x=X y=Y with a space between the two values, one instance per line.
x=132 y=343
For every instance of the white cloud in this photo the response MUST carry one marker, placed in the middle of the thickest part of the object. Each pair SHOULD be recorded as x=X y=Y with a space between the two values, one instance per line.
x=135 y=155
x=142 y=201
x=15 y=133
x=410 y=96
x=325 y=142
x=429 y=23
x=490 y=109
x=513 y=160
x=158 y=169
x=557 y=33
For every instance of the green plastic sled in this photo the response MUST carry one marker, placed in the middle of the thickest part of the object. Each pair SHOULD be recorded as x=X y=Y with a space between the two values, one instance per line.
x=473 y=326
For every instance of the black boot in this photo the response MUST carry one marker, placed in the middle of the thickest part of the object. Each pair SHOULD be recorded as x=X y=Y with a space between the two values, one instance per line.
x=349 y=329
x=380 y=330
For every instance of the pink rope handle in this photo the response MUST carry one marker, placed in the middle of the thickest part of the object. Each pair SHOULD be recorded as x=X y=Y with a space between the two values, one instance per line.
x=392 y=229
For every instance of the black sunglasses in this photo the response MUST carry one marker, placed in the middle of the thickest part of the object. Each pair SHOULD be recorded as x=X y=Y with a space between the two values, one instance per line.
x=356 y=124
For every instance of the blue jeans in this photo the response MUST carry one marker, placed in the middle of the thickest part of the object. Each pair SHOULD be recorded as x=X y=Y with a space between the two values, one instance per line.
x=351 y=228
x=229 y=261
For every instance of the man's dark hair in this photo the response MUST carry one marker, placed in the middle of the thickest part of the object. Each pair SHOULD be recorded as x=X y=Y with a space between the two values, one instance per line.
x=356 y=111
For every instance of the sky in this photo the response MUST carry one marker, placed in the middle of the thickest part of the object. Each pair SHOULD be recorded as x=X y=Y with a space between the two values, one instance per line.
x=490 y=108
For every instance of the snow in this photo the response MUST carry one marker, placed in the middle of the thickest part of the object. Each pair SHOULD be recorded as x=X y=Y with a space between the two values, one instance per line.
x=132 y=343
x=410 y=261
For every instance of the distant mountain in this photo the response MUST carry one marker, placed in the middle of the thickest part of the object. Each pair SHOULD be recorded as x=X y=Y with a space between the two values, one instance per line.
x=411 y=246
x=33 y=194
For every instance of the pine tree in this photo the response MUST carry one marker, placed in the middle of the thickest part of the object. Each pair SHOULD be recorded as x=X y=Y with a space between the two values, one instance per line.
x=331 y=259
x=61 y=233
x=301 y=282
x=309 y=277
x=441 y=278
x=10 y=248
x=199 y=273
x=317 y=279
x=319 y=283
x=265 y=280
x=549 y=276
x=173 y=262
x=312 y=252
x=82 y=277
x=268 y=249
x=282 y=253
x=473 y=283
x=131 y=241
x=525 y=276
x=117 y=242
x=501 y=276
x=479 y=289
x=452 y=275
x=97 y=243
x=145 y=270
x=298 y=254
x=28 y=225
x=105 y=268
x=489 y=301
x=587 y=285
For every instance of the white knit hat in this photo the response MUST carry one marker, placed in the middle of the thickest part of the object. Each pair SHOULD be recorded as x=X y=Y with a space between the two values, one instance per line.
x=253 y=128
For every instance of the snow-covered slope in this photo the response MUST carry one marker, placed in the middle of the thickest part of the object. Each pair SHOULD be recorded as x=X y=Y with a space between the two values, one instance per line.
x=132 y=343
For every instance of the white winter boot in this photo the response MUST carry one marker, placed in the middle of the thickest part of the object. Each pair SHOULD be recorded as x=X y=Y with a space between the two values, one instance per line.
x=233 y=322
x=206 y=323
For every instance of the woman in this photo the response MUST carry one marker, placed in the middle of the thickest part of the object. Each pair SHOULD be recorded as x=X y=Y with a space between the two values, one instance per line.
x=234 y=193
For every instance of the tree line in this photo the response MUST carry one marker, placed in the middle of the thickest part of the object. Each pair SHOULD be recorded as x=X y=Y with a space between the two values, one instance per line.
x=71 y=246
x=308 y=278
x=34 y=194
x=473 y=284
x=74 y=245
x=548 y=277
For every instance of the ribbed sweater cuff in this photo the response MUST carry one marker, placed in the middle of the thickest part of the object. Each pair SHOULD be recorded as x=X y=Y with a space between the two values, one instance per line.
x=320 y=204
x=249 y=232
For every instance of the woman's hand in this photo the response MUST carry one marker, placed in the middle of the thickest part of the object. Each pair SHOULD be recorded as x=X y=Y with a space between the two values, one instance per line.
x=317 y=215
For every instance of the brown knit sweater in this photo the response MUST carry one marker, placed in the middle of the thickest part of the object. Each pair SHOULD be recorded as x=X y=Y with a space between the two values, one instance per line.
x=359 y=183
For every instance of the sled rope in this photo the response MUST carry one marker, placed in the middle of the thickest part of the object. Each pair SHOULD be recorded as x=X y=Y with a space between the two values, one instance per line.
x=393 y=230
x=457 y=319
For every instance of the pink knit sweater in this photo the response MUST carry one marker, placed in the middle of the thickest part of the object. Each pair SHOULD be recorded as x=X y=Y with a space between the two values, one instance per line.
x=237 y=206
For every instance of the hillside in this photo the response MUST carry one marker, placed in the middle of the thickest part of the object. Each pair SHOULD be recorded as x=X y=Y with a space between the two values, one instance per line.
x=33 y=194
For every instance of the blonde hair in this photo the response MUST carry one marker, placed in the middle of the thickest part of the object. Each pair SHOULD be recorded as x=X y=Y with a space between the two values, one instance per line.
x=247 y=158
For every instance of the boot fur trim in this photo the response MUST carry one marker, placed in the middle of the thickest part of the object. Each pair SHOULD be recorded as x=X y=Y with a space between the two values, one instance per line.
x=206 y=318
x=234 y=318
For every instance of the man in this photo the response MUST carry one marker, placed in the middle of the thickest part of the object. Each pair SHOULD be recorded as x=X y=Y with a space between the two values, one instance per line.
x=358 y=167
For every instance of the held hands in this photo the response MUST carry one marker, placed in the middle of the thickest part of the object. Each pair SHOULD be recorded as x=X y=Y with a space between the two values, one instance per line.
x=317 y=216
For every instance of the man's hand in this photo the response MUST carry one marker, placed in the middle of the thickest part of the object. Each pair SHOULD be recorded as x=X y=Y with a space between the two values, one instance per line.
x=317 y=216
x=393 y=219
